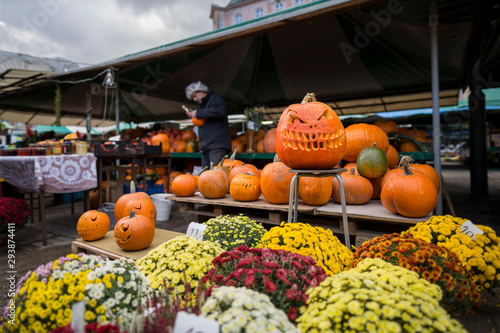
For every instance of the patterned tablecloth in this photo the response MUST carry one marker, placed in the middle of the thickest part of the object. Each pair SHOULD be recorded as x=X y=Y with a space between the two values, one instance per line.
x=52 y=174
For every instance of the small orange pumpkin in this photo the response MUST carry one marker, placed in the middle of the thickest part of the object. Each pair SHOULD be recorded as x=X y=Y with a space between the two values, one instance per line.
x=213 y=184
x=409 y=194
x=232 y=161
x=242 y=169
x=198 y=122
x=245 y=187
x=275 y=180
x=387 y=125
x=164 y=140
x=315 y=191
x=135 y=232
x=93 y=225
x=184 y=185
x=357 y=189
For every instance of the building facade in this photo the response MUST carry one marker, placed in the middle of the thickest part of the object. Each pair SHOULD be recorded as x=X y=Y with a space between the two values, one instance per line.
x=239 y=11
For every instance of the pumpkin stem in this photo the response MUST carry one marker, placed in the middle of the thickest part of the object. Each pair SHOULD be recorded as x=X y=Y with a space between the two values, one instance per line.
x=352 y=171
x=276 y=159
x=308 y=98
x=211 y=165
x=203 y=170
x=132 y=214
x=373 y=146
x=132 y=187
x=233 y=155
x=223 y=159
x=406 y=162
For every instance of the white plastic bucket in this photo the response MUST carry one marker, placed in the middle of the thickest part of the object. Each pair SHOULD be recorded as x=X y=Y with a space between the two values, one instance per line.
x=163 y=205
x=109 y=209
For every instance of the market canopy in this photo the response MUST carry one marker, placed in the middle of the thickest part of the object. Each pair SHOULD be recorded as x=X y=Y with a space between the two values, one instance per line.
x=359 y=56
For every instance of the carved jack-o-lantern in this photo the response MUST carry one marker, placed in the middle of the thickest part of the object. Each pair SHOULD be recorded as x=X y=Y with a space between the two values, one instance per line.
x=93 y=225
x=310 y=136
x=135 y=232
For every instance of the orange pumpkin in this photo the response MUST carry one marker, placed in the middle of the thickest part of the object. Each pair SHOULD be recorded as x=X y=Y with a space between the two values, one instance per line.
x=391 y=173
x=161 y=171
x=232 y=161
x=387 y=125
x=245 y=187
x=377 y=187
x=409 y=194
x=310 y=136
x=93 y=225
x=275 y=180
x=270 y=141
x=134 y=232
x=198 y=122
x=407 y=146
x=315 y=191
x=237 y=144
x=430 y=172
x=392 y=157
x=357 y=189
x=188 y=135
x=213 y=184
x=242 y=169
x=163 y=140
x=139 y=202
x=361 y=136
x=259 y=147
x=184 y=185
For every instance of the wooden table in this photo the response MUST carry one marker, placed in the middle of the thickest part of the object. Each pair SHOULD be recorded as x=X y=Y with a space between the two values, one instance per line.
x=107 y=247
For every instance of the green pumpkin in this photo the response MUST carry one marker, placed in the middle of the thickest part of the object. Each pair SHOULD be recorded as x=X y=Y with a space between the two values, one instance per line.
x=372 y=162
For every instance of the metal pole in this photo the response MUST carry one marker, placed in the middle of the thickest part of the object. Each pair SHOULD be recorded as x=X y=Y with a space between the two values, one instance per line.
x=436 y=121
x=88 y=112
x=117 y=104
x=477 y=135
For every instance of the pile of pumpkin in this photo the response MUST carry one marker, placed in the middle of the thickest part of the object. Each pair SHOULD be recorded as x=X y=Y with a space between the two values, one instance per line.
x=135 y=214
x=416 y=136
x=310 y=136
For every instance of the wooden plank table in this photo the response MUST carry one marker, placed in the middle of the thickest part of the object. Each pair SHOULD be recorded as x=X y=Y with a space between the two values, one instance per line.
x=107 y=246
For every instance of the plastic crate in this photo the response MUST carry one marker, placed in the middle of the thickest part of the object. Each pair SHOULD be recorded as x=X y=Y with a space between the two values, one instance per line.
x=101 y=148
x=65 y=198
x=152 y=188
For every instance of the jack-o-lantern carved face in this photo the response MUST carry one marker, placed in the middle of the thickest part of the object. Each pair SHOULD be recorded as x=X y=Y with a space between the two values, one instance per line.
x=310 y=136
x=135 y=232
x=93 y=225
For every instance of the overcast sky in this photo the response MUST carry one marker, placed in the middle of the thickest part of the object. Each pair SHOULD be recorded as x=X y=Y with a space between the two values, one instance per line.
x=93 y=31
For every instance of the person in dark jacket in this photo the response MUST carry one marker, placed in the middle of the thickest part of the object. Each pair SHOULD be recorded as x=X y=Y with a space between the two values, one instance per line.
x=214 y=135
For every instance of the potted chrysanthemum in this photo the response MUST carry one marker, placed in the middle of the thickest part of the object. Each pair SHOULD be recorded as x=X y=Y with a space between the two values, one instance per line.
x=14 y=214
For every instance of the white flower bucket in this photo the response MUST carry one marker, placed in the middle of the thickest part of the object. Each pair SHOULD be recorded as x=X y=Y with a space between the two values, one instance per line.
x=163 y=205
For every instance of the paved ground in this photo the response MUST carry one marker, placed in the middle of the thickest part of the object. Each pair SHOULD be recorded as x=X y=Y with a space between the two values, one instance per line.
x=30 y=252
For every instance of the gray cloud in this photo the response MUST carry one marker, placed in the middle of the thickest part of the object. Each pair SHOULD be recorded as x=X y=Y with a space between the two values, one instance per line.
x=93 y=31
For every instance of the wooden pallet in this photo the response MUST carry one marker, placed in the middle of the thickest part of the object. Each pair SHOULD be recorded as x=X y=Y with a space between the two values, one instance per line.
x=260 y=210
x=368 y=220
